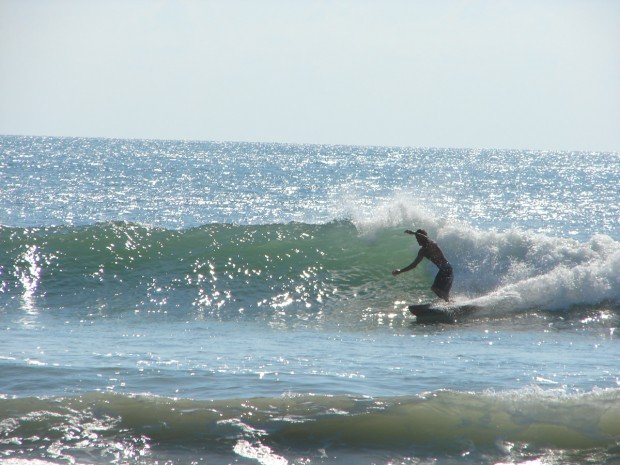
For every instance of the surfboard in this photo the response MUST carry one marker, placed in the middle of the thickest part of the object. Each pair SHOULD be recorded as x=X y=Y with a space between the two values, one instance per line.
x=434 y=313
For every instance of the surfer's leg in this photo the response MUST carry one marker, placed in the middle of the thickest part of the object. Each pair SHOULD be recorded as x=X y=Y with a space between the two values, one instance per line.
x=441 y=294
x=443 y=284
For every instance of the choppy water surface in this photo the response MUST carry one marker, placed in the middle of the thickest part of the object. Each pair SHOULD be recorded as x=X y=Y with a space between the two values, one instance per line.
x=179 y=302
x=178 y=184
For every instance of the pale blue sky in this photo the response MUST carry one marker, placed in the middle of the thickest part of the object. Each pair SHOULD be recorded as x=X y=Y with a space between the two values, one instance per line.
x=453 y=73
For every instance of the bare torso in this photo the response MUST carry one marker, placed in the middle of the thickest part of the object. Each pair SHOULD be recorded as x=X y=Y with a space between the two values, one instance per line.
x=432 y=251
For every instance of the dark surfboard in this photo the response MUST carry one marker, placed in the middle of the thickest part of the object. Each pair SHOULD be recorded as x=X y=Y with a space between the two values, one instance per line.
x=433 y=313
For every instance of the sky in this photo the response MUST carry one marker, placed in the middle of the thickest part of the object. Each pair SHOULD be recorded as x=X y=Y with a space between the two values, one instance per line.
x=518 y=74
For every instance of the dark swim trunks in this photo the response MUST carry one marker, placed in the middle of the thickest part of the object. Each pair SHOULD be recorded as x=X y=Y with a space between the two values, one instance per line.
x=443 y=280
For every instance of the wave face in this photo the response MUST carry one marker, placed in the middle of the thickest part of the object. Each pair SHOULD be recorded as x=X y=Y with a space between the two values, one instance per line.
x=231 y=271
x=274 y=430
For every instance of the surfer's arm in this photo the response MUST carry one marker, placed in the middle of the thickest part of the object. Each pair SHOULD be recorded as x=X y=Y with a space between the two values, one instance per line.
x=412 y=265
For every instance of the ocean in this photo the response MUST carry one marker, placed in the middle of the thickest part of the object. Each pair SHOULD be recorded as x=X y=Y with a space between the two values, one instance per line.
x=181 y=302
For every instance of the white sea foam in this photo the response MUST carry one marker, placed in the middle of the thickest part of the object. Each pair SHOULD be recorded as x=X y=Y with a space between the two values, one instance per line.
x=261 y=453
x=400 y=211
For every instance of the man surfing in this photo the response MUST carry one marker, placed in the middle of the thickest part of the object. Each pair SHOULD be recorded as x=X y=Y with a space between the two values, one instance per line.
x=429 y=249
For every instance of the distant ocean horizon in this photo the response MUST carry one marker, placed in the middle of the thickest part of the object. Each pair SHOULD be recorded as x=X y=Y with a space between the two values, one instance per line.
x=175 y=302
x=302 y=143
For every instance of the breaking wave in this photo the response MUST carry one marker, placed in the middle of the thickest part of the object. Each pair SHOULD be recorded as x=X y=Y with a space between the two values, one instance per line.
x=228 y=270
x=268 y=429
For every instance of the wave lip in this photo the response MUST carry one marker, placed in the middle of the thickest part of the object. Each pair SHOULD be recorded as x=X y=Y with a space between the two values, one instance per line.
x=270 y=428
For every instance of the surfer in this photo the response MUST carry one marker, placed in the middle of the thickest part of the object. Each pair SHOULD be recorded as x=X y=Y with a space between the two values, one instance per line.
x=429 y=249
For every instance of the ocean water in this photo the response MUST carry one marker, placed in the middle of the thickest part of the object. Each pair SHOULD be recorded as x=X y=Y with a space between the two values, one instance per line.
x=198 y=302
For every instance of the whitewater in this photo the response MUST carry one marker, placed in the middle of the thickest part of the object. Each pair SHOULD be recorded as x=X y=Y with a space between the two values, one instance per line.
x=218 y=302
